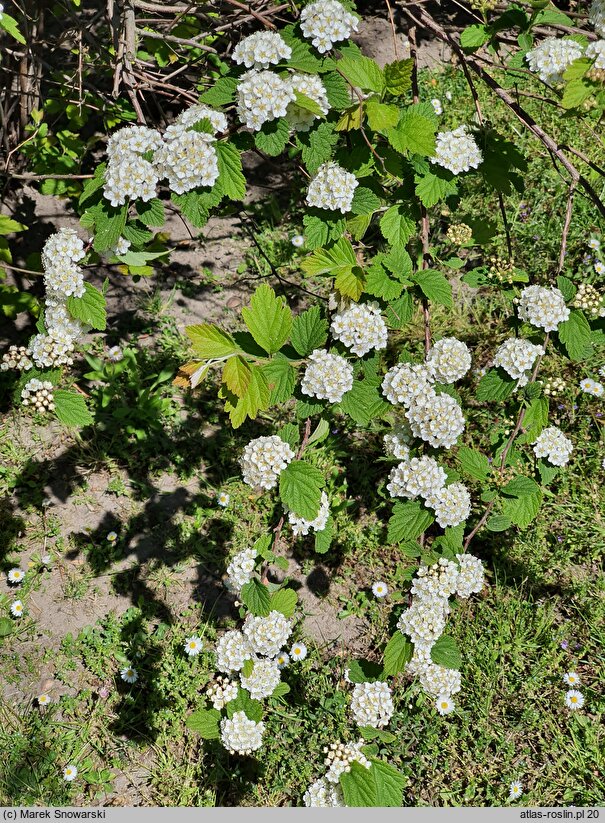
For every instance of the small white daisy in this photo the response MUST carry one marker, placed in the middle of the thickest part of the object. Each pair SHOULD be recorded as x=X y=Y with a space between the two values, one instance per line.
x=223 y=499
x=603 y=463
x=593 y=243
x=129 y=675
x=298 y=240
x=115 y=354
x=46 y=559
x=437 y=107
x=516 y=789
x=444 y=704
x=44 y=699
x=574 y=699
x=70 y=773
x=380 y=589
x=15 y=575
x=599 y=267
x=572 y=679
x=17 y=608
x=112 y=537
x=282 y=660
x=448 y=96
x=298 y=651
x=193 y=646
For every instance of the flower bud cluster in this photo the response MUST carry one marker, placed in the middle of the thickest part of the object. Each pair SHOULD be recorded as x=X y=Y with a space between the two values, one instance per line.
x=326 y=22
x=457 y=151
x=554 y=446
x=221 y=692
x=17 y=357
x=588 y=299
x=500 y=270
x=327 y=377
x=459 y=234
x=361 y=328
x=554 y=387
x=264 y=459
x=38 y=394
x=340 y=757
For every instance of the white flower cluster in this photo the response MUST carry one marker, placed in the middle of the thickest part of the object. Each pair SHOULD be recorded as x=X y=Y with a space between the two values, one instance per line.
x=596 y=16
x=596 y=52
x=332 y=188
x=361 y=328
x=264 y=459
x=302 y=526
x=195 y=114
x=17 y=357
x=261 y=49
x=372 y=704
x=452 y=505
x=437 y=419
x=327 y=377
x=405 y=382
x=516 y=356
x=425 y=620
x=554 y=446
x=231 y=652
x=310 y=85
x=327 y=22
x=323 y=795
x=261 y=683
x=267 y=635
x=552 y=56
x=448 y=360
x=221 y=692
x=49 y=350
x=542 y=307
x=128 y=174
x=62 y=277
x=187 y=161
x=418 y=477
x=396 y=442
x=39 y=394
x=457 y=151
x=241 y=735
x=239 y=571
x=262 y=96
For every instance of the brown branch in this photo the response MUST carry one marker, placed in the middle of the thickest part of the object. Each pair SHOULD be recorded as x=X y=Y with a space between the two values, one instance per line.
x=566 y=225
x=182 y=41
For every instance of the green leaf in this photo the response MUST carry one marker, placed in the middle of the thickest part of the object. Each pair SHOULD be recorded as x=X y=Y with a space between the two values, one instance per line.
x=363 y=402
x=381 y=116
x=94 y=185
x=90 y=308
x=109 y=225
x=576 y=92
x=364 y=671
x=253 y=709
x=350 y=283
x=206 y=723
x=473 y=463
x=71 y=408
x=380 y=284
x=522 y=510
x=474 y=36
x=307 y=103
x=209 y=342
x=534 y=420
x=493 y=386
x=272 y=137
x=575 y=336
x=338 y=91
x=379 y=786
x=268 y=318
x=256 y=597
x=414 y=133
x=399 y=312
x=397 y=653
x=435 y=287
x=521 y=487
x=256 y=399
x=8 y=226
x=316 y=231
x=445 y=652
x=137 y=234
x=221 y=93
x=498 y=523
x=318 y=146
x=547 y=473
x=300 y=486
x=323 y=538
x=309 y=331
x=193 y=207
x=322 y=430
x=290 y=435
x=389 y=784
x=340 y=257
x=284 y=601
x=281 y=377
x=370 y=733
x=398 y=76
x=364 y=201
x=237 y=375
x=231 y=177
x=6 y=626
x=280 y=690
x=566 y=287
x=9 y=24
x=408 y=521
x=396 y=226
x=362 y=72
x=151 y=213
x=434 y=186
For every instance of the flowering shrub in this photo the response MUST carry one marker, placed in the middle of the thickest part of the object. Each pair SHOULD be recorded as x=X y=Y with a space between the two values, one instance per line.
x=373 y=163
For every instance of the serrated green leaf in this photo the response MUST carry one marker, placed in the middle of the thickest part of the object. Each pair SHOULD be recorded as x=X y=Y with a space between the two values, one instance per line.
x=209 y=342
x=253 y=709
x=323 y=538
x=380 y=284
x=231 y=177
x=152 y=212
x=71 y=408
x=522 y=510
x=237 y=375
x=473 y=463
x=350 y=283
x=398 y=76
x=379 y=786
x=338 y=91
x=498 y=523
x=284 y=601
x=300 y=486
x=566 y=287
x=408 y=521
x=280 y=690
x=396 y=226
x=206 y=723
x=256 y=597
x=397 y=653
x=272 y=137
x=435 y=287
x=318 y=146
x=109 y=225
x=474 y=36
x=90 y=308
x=496 y=385
x=9 y=24
x=281 y=377
x=309 y=331
x=445 y=652
x=221 y=93
x=363 y=402
x=362 y=72
x=534 y=420
x=364 y=671
x=521 y=487
x=91 y=187
x=574 y=334
x=399 y=312
x=290 y=435
x=364 y=201
x=433 y=186
x=257 y=398
x=322 y=430
x=414 y=133
x=380 y=115
x=268 y=318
